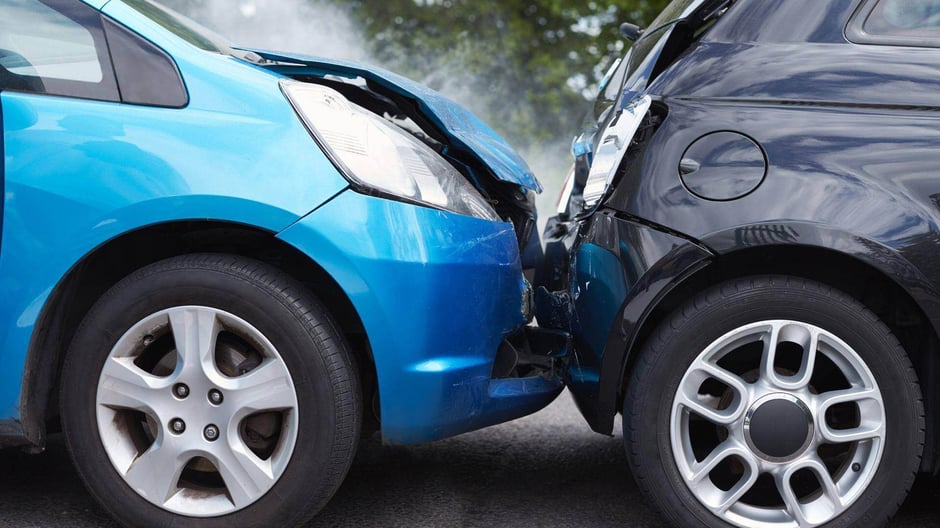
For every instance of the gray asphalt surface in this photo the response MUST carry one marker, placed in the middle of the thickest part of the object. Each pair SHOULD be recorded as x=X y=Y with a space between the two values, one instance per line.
x=545 y=470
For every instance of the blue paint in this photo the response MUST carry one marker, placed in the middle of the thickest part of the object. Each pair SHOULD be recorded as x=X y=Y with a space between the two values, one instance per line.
x=437 y=292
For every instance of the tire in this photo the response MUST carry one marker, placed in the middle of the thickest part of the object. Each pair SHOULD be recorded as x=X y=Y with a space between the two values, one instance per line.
x=679 y=457
x=288 y=401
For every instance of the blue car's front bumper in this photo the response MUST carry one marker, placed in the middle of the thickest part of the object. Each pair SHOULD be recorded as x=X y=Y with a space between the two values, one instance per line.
x=437 y=293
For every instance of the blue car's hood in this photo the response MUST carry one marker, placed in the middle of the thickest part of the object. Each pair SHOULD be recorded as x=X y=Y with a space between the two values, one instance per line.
x=464 y=130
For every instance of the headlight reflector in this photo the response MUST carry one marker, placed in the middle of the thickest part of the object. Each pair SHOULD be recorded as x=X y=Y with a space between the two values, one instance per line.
x=375 y=154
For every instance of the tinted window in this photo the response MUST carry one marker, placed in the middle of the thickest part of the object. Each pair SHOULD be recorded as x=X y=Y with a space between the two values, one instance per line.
x=905 y=18
x=55 y=47
x=897 y=22
x=145 y=73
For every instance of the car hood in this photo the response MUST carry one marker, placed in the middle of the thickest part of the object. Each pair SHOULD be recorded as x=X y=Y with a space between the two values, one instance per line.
x=464 y=130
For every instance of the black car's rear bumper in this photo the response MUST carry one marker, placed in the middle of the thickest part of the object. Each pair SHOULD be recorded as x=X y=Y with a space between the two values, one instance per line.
x=602 y=279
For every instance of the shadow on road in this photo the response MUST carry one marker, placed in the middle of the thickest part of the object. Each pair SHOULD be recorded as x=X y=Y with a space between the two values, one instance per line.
x=545 y=470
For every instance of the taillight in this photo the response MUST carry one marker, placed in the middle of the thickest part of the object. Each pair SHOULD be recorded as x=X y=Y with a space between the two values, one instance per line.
x=613 y=146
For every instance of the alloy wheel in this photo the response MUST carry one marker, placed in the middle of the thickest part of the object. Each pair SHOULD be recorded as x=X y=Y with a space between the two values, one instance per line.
x=197 y=411
x=778 y=423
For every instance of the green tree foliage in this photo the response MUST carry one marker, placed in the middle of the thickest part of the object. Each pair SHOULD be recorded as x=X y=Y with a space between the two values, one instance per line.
x=525 y=66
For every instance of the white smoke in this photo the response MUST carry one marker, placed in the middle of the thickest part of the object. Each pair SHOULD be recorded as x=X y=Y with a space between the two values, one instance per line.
x=313 y=27
x=318 y=27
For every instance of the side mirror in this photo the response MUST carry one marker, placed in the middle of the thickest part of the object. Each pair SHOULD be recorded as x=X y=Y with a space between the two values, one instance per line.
x=630 y=31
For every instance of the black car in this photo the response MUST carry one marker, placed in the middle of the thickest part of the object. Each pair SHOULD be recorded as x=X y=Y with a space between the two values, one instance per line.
x=747 y=255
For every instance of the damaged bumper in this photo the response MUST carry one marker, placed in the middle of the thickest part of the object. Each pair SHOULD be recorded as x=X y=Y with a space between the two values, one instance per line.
x=601 y=280
x=440 y=297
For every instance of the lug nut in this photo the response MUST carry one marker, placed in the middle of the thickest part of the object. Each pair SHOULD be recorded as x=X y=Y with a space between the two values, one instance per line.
x=148 y=340
x=215 y=397
x=211 y=433
x=180 y=390
x=177 y=426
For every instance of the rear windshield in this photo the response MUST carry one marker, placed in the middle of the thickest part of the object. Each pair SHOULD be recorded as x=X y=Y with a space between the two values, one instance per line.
x=665 y=41
x=675 y=10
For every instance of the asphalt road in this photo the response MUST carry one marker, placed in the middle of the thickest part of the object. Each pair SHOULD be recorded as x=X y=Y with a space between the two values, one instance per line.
x=545 y=470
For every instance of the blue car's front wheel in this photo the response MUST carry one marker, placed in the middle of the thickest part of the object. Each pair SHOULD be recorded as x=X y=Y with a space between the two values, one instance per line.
x=210 y=390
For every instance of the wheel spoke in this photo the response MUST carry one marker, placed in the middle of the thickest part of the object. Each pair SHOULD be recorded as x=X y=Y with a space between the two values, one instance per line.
x=830 y=492
x=807 y=338
x=195 y=332
x=245 y=475
x=856 y=394
x=821 y=509
x=807 y=366
x=689 y=396
x=740 y=489
x=790 y=500
x=125 y=386
x=872 y=423
x=855 y=434
x=267 y=387
x=721 y=453
x=697 y=476
x=156 y=472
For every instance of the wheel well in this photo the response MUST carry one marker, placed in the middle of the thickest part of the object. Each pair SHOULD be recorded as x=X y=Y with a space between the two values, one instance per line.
x=90 y=278
x=889 y=301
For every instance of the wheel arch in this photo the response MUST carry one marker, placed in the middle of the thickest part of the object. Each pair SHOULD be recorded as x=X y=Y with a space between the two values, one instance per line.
x=879 y=277
x=97 y=271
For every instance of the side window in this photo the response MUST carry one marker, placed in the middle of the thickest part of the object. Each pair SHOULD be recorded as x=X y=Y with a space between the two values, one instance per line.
x=146 y=74
x=55 y=47
x=897 y=22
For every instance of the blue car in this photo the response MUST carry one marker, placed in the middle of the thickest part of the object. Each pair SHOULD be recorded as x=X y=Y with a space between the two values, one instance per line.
x=221 y=266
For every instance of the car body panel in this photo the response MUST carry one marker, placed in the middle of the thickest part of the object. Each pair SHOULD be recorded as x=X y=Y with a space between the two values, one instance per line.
x=463 y=128
x=436 y=296
x=852 y=130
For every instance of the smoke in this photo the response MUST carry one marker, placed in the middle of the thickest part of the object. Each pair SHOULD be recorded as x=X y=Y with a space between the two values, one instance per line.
x=314 y=27
x=318 y=27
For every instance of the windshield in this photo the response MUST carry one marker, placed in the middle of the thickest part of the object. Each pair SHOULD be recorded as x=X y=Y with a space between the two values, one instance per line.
x=675 y=10
x=182 y=27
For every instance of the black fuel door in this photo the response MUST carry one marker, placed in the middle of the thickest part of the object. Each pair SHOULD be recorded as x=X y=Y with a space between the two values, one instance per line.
x=723 y=166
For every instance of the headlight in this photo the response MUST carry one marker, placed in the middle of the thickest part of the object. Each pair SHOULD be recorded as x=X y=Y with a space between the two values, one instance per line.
x=613 y=146
x=375 y=154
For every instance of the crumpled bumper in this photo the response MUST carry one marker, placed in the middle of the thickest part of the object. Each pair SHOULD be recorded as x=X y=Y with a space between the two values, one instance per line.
x=437 y=293
x=601 y=279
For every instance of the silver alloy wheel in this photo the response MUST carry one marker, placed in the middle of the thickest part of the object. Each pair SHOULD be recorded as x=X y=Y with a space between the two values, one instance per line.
x=197 y=411
x=774 y=376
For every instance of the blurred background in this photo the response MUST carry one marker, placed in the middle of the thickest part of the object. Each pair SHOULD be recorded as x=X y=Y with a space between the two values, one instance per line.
x=527 y=67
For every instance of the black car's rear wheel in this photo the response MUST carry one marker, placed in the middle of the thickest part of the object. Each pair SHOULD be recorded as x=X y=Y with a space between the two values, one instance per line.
x=774 y=402
x=210 y=391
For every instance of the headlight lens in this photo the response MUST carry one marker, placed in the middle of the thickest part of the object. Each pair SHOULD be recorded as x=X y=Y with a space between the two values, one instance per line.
x=373 y=153
x=613 y=146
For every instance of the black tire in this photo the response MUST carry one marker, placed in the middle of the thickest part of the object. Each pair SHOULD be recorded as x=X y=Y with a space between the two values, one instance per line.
x=308 y=341
x=684 y=334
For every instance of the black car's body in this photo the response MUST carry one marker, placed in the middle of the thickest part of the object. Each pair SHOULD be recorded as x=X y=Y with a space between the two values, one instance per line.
x=797 y=138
